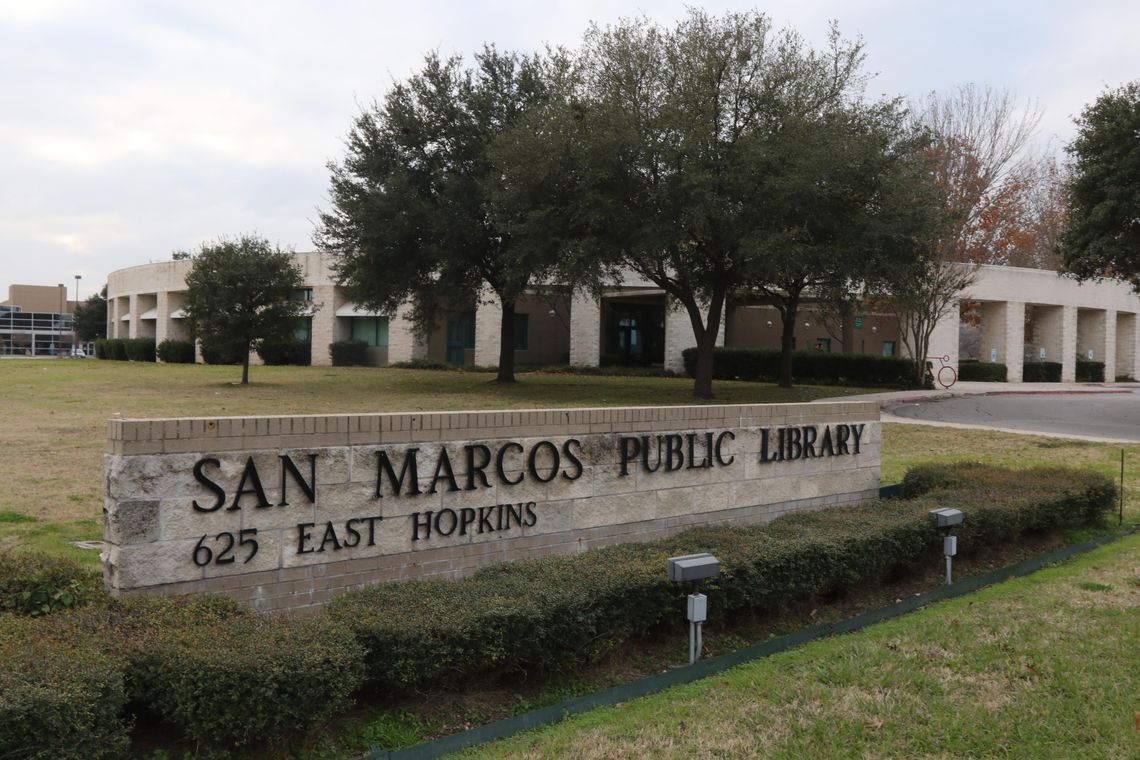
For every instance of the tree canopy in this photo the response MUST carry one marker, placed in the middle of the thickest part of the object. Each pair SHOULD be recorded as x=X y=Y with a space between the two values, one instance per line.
x=238 y=293
x=91 y=317
x=417 y=210
x=721 y=155
x=1103 y=235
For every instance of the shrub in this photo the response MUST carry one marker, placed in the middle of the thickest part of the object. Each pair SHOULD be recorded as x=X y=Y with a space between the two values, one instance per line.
x=348 y=353
x=807 y=366
x=111 y=348
x=176 y=351
x=220 y=352
x=287 y=351
x=231 y=679
x=1041 y=372
x=34 y=583
x=987 y=372
x=140 y=349
x=1089 y=372
x=61 y=695
x=431 y=364
x=559 y=611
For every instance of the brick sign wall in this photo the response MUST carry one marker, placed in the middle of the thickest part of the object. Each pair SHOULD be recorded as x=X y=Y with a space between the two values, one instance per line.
x=283 y=512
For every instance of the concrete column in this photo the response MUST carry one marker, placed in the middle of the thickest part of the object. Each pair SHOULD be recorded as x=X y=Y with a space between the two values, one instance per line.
x=488 y=327
x=403 y=342
x=1110 y=361
x=1003 y=330
x=944 y=340
x=323 y=325
x=1127 y=345
x=162 y=319
x=112 y=317
x=585 y=330
x=1093 y=337
x=1062 y=346
x=679 y=334
x=133 y=325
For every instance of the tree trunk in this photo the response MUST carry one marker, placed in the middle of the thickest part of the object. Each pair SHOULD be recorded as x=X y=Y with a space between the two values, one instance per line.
x=788 y=341
x=705 y=333
x=245 y=368
x=703 y=372
x=507 y=344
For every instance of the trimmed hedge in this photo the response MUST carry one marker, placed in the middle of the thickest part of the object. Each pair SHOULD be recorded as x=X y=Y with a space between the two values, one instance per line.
x=228 y=678
x=1041 y=372
x=1089 y=372
x=290 y=351
x=62 y=694
x=34 y=583
x=986 y=372
x=111 y=348
x=222 y=353
x=807 y=366
x=176 y=351
x=348 y=353
x=140 y=349
x=560 y=611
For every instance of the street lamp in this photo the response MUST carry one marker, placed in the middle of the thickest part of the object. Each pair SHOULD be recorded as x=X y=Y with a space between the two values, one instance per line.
x=59 y=321
x=74 y=326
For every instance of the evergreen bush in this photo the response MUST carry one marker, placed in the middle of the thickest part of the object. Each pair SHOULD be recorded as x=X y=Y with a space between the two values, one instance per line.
x=176 y=351
x=348 y=353
x=807 y=367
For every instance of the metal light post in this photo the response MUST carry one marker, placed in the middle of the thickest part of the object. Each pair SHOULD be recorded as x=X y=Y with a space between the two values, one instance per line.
x=74 y=326
x=57 y=332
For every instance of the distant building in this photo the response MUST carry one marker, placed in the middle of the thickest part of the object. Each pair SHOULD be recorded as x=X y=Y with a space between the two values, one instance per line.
x=37 y=320
x=632 y=323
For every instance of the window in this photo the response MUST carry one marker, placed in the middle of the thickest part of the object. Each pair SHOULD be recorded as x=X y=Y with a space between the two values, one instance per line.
x=823 y=344
x=303 y=329
x=522 y=332
x=888 y=348
x=301 y=294
x=371 y=330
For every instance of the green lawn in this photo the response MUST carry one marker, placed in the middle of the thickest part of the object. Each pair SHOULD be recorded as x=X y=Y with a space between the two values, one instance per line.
x=1042 y=666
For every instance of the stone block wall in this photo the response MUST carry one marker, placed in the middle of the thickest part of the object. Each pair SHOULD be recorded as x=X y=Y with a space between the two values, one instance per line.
x=285 y=512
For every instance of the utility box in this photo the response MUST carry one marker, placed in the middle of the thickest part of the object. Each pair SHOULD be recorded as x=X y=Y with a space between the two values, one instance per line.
x=693 y=567
x=698 y=608
x=946 y=517
x=950 y=546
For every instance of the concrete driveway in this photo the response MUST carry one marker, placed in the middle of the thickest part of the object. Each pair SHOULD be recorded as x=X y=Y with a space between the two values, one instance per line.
x=1088 y=412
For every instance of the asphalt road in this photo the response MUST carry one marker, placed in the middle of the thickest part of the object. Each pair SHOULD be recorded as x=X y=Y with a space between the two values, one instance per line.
x=1101 y=415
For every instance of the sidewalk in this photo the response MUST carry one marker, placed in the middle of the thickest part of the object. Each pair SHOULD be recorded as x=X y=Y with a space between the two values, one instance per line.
x=889 y=398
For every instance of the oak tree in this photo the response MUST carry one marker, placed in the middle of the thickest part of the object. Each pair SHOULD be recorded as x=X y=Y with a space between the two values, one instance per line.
x=1103 y=235
x=416 y=210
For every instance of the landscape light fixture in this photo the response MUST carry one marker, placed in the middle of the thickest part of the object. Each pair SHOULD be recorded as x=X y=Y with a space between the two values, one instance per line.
x=694 y=568
x=945 y=519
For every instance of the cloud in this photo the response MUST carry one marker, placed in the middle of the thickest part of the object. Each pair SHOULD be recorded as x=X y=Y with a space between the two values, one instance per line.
x=131 y=129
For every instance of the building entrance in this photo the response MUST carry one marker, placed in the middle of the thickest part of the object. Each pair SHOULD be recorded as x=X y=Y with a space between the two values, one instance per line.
x=634 y=333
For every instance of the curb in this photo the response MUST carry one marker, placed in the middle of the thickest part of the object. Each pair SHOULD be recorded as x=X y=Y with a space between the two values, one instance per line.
x=507 y=727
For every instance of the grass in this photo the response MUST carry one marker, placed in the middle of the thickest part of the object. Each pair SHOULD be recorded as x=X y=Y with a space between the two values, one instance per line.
x=1026 y=669
x=56 y=410
x=1042 y=666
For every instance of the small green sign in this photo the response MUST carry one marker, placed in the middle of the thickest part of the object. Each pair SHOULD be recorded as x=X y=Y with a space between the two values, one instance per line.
x=858 y=322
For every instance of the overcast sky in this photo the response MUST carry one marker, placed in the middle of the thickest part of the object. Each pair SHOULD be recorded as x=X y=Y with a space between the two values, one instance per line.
x=129 y=130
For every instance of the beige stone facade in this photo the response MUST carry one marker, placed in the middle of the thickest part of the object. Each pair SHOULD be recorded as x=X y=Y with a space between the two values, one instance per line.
x=1069 y=317
x=212 y=504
